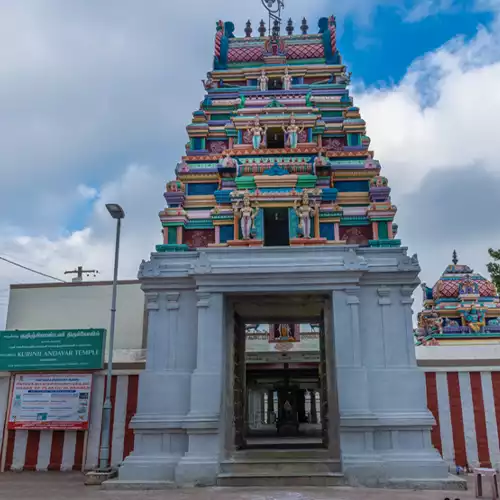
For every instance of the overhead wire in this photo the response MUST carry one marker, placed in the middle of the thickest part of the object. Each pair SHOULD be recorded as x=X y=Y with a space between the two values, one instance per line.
x=30 y=269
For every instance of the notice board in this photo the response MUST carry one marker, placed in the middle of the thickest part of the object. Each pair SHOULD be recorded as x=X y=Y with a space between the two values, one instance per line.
x=50 y=401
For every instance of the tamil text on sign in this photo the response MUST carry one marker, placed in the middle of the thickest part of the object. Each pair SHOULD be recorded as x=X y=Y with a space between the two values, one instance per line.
x=48 y=350
x=57 y=402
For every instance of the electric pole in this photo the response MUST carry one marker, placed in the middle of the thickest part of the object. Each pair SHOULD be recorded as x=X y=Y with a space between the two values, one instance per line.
x=79 y=271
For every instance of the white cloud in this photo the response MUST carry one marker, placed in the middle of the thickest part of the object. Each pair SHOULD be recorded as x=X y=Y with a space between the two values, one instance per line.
x=425 y=143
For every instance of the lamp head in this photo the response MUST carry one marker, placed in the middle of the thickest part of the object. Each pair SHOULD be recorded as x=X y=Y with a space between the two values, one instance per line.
x=115 y=210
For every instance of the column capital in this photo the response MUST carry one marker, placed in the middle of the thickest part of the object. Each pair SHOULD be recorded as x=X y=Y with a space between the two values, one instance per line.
x=172 y=300
x=203 y=299
x=152 y=301
x=384 y=292
x=407 y=295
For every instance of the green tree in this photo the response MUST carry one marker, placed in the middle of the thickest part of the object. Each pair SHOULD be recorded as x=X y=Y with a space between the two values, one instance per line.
x=494 y=267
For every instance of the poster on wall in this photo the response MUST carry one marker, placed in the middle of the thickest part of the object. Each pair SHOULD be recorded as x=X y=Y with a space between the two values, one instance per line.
x=55 y=402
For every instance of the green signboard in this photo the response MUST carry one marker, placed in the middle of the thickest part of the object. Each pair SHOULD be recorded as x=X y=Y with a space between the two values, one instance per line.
x=48 y=350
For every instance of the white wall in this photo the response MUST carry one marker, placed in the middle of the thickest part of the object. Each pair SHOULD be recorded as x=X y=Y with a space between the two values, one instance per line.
x=79 y=305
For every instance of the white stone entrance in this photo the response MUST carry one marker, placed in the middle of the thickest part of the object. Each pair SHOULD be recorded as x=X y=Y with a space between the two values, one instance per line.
x=185 y=414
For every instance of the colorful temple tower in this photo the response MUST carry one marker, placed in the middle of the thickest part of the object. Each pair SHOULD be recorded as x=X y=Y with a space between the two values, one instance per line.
x=462 y=307
x=278 y=215
x=277 y=153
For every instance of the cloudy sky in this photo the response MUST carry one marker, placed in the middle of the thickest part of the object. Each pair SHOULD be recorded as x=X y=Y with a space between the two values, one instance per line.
x=95 y=96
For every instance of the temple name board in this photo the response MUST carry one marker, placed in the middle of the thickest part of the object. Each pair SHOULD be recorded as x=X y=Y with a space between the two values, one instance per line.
x=43 y=350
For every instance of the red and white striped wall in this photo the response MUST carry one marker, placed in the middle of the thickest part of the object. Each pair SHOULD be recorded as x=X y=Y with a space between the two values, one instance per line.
x=466 y=406
x=65 y=450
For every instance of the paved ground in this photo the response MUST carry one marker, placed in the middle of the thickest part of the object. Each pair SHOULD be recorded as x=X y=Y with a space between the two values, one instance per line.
x=68 y=486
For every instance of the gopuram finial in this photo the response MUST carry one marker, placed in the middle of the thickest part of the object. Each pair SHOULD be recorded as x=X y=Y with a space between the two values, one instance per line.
x=454 y=258
x=274 y=7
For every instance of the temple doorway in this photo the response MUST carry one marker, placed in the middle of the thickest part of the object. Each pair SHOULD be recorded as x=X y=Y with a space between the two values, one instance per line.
x=275 y=138
x=282 y=382
x=276 y=227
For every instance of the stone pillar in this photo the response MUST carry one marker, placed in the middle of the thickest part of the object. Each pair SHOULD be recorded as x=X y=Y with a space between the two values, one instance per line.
x=217 y=234
x=164 y=387
x=316 y=224
x=395 y=433
x=390 y=230
x=179 y=235
x=199 y=466
x=270 y=406
x=348 y=347
x=314 y=414
x=336 y=231
x=236 y=228
x=375 y=230
x=301 y=404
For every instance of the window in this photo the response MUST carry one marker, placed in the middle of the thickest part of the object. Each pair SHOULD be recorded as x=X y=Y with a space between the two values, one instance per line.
x=275 y=84
x=275 y=138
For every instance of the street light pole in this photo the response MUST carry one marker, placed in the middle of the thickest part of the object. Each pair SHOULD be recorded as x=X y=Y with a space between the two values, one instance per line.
x=104 y=459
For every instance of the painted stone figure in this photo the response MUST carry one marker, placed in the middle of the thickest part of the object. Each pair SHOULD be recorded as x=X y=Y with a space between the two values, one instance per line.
x=474 y=319
x=209 y=82
x=257 y=134
x=287 y=80
x=247 y=215
x=319 y=161
x=263 y=81
x=292 y=133
x=305 y=212
x=229 y=162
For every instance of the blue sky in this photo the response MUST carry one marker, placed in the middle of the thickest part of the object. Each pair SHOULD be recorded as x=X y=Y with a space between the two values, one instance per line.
x=380 y=52
x=94 y=107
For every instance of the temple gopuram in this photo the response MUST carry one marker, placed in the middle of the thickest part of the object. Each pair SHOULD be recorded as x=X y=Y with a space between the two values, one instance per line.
x=279 y=216
x=462 y=307
x=277 y=153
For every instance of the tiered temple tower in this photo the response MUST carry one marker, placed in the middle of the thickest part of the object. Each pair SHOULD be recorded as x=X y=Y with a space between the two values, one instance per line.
x=277 y=153
x=462 y=307
x=279 y=215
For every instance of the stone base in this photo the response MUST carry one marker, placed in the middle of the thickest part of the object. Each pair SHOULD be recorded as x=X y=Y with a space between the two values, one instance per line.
x=96 y=478
x=149 y=469
x=300 y=242
x=118 y=484
x=197 y=471
x=245 y=243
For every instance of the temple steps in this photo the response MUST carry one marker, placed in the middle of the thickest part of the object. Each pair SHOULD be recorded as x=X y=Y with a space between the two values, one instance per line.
x=280 y=468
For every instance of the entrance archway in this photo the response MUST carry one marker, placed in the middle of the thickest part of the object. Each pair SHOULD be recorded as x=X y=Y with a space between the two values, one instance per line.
x=284 y=394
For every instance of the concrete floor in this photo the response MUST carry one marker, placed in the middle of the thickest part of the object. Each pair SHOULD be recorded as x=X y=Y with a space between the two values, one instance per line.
x=59 y=486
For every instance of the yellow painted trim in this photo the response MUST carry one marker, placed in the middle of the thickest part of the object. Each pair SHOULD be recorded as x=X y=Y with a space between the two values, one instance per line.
x=223 y=223
x=353 y=198
x=324 y=219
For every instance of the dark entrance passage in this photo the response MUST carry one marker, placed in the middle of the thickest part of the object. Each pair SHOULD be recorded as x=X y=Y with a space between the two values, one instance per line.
x=276 y=233
x=275 y=138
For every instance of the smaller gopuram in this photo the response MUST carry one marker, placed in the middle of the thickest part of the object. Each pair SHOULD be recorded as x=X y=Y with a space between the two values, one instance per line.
x=462 y=307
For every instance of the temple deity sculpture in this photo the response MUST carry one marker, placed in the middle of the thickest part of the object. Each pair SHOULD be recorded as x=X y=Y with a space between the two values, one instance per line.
x=344 y=78
x=263 y=81
x=247 y=215
x=228 y=161
x=209 y=82
x=292 y=132
x=305 y=212
x=287 y=80
x=432 y=323
x=474 y=318
x=257 y=134
x=319 y=161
